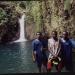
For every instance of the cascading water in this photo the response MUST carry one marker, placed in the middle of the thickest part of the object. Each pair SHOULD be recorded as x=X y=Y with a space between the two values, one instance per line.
x=22 y=29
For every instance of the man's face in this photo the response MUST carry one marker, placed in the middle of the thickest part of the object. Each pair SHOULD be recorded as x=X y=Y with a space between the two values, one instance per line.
x=38 y=35
x=65 y=35
x=54 y=34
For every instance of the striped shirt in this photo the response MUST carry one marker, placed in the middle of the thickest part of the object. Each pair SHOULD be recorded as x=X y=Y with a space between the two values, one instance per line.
x=53 y=47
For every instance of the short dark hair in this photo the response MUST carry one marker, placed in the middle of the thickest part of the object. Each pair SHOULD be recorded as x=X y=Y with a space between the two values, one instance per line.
x=39 y=33
x=55 y=32
x=67 y=33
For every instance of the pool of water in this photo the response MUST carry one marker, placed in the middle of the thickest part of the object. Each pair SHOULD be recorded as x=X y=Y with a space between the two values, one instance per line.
x=17 y=58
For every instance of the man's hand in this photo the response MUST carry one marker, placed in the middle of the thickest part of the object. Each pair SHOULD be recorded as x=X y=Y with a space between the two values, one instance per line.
x=55 y=56
x=34 y=59
x=34 y=56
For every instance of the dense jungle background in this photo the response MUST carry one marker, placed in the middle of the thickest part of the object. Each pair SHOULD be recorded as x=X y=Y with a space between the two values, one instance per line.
x=42 y=15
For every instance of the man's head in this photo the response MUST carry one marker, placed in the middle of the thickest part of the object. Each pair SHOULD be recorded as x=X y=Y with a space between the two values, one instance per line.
x=54 y=34
x=38 y=34
x=65 y=35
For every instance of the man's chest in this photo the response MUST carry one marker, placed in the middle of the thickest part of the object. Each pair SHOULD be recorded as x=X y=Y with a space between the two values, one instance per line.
x=54 y=43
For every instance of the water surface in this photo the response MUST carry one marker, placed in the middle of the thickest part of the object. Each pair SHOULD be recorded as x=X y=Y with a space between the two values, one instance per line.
x=17 y=58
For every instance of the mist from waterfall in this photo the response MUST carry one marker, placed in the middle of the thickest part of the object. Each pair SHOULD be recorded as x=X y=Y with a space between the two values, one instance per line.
x=22 y=29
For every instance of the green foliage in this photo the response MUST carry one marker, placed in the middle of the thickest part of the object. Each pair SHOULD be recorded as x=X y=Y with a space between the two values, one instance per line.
x=39 y=14
x=35 y=11
x=23 y=5
x=2 y=14
x=66 y=4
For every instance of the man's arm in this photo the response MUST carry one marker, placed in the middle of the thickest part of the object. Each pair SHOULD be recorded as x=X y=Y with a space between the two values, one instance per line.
x=58 y=50
x=34 y=51
x=73 y=43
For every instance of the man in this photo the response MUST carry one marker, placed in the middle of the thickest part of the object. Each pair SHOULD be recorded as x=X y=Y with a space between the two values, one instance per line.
x=66 y=51
x=37 y=51
x=44 y=41
x=54 y=49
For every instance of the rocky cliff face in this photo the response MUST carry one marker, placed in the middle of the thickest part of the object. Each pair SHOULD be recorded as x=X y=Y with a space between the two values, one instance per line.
x=9 y=25
x=55 y=15
x=58 y=15
x=43 y=15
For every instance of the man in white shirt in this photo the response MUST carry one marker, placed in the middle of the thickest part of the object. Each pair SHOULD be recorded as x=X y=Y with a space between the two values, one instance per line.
x=54 y=49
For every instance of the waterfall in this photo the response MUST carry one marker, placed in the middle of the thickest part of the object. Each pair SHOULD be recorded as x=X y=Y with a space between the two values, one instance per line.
x=22 y=29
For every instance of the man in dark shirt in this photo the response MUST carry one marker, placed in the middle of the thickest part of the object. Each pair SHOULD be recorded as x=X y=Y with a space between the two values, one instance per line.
x=44 y=41
x=66 y=51
x=37 y=51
